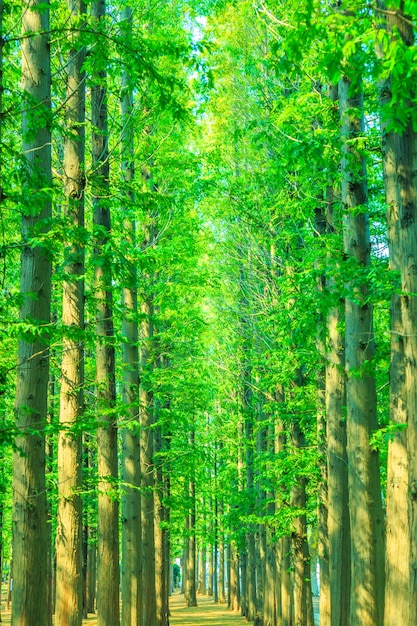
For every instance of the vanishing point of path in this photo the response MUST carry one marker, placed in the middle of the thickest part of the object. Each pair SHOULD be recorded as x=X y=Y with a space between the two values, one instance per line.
x=207 y=613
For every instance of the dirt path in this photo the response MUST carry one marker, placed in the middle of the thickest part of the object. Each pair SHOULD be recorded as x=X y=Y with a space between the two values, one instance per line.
x=205 y=614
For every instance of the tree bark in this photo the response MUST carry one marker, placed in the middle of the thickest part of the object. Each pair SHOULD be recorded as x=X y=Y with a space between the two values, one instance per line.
x=131 y=572
x=69 y=604
x=202 y=582
x=161 y=559
x=338 y=524
x=107 y=521
x=301 y=587
x=234 y=581
x=366 y=518
x=31 y=581
x=190 y=591
x=147 y=462
x=399 y=153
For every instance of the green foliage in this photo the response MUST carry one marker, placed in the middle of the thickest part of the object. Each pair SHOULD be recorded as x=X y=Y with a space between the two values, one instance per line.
x=236 y=151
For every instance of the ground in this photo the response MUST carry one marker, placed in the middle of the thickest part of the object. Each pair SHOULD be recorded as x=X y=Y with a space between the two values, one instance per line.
x=205 y=614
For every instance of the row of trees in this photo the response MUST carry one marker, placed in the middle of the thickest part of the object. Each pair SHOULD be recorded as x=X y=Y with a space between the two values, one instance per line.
x=315 y=139
x=214 y=320
x=104 y=106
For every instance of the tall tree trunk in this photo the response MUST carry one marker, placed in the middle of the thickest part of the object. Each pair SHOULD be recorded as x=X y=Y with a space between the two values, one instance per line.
x=89 y=534
x=222 y=571
x=190 y=566
x=250 y=595
x=366 y=518
x=190 y=591
x=286 y=609
x=30 y=527
x=147 y=462
x=399 y=150
x=91 y=572
x=161 y=560
x=320 y=226
x=301 y=588
x=338 y=524
x=68 y=608
x=243 y=561
x=216 y=545
x=210 y=571
x=270 y=600
x=234 y=581
x=284 y=592
x=107 y=521
x=131 y=572
x=260 y=536
x=202 y=577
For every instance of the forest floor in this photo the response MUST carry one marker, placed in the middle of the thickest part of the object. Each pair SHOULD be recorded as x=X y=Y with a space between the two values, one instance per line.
x=207 y=613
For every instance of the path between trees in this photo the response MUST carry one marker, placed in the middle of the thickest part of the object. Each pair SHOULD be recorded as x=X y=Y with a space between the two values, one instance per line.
x=207 y=613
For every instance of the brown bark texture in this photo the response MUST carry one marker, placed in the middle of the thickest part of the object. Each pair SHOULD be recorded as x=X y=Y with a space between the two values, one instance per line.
x=69 y=598
x=366 y=518
x=107 y=521
x=30 y=528
x=399 y=159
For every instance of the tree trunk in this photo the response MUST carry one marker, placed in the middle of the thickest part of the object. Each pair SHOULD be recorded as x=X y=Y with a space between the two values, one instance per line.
x=107 y=520
x=210 y=571
x=284 y=587
x=147 y=464
x=89 y=534
x=161 y=560
x=320 y=226
x=190 y=591
x=91 y=573
x=338 y=524
x=131 y=572
x=190 y=582
x=286 y=595
x=203 y=572
x=216 y=547
x=366 y=518
x=222 y=571
x=68 y=607
x=270 y=596
x=301 y=587
x=250 y=608
x=243 y=561
x=399 y=153
x=30 y=526
x=234 y=581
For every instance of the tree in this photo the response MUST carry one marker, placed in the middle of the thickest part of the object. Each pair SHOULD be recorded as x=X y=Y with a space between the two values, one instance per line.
x=399 y=145
x=68 y=608
x=30 y=528
x=107 y=521
x=131 y=500
x=365 y=506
